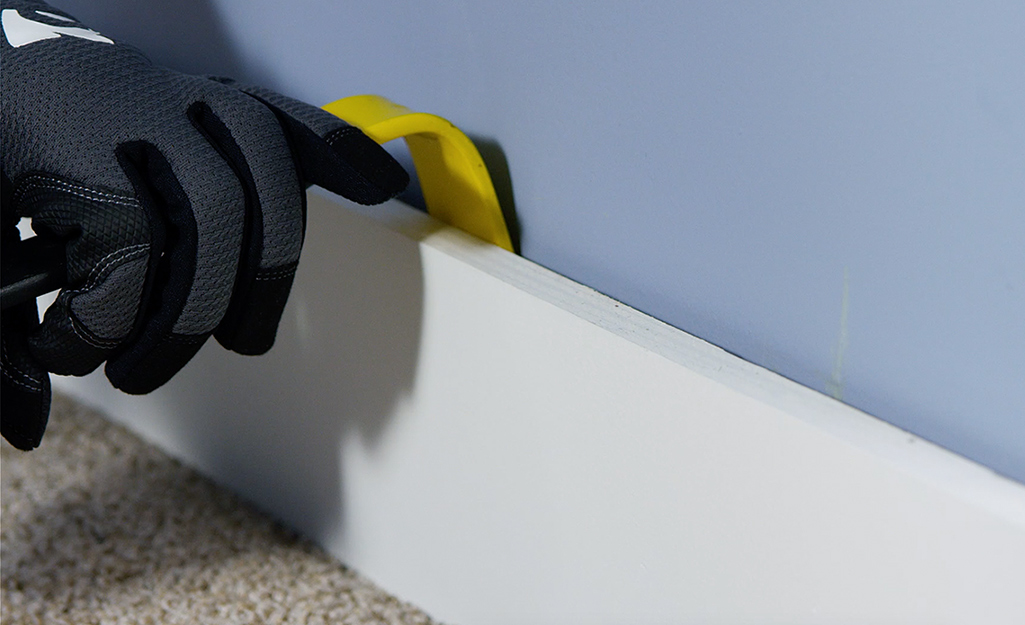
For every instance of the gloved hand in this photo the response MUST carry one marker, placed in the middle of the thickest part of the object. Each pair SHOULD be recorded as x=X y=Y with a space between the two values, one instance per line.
x=180 y=198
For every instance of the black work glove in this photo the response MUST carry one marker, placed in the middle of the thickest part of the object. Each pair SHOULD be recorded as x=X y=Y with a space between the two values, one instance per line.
x=180 y=198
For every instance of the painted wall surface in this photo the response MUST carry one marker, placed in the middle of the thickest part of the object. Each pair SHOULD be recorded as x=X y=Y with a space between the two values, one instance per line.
x=835 y=191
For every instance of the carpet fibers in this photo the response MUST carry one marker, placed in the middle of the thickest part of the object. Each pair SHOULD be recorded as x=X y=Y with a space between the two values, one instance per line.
x=100 y=527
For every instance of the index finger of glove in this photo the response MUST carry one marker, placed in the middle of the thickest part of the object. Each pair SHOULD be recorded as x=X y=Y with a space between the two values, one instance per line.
x=250 y=139
x=332 y=154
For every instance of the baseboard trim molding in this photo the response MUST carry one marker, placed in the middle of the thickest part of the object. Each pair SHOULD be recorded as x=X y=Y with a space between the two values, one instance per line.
x=499 y=444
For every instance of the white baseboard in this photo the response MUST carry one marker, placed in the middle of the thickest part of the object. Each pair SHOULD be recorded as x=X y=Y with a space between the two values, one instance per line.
x=498 y=444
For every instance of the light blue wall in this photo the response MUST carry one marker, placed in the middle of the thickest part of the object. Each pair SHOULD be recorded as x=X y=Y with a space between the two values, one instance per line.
x=835 y=191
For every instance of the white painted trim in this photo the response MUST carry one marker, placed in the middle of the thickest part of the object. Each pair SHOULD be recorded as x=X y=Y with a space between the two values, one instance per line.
x=499 y=444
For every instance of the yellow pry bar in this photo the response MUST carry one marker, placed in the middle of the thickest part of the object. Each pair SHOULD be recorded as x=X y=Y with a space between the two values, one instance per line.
x=455 y=183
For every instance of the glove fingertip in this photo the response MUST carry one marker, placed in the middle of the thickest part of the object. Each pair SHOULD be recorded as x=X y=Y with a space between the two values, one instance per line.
x=25 y=413
x=382 y=177
x=149 y=367
x=251 y=324
x=331 y=153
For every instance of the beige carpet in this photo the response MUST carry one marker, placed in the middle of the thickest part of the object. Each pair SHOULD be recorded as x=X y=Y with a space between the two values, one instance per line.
x=99 y=527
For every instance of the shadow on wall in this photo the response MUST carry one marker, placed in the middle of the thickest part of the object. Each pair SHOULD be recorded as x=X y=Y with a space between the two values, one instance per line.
x=348 y=345
x=277 y=425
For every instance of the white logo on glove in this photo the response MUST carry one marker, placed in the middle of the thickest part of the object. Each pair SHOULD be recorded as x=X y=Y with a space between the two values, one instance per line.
x=21 y=31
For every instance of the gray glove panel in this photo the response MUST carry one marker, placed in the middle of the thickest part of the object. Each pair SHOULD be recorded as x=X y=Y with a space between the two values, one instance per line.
x=180 y=198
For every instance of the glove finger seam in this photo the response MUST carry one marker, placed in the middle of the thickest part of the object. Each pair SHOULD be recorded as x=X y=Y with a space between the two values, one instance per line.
x=126 y=253
x=339 y=133
x=83 y=333
x=8 y=365
x=34 y=181
x=42 y=181
x=34 y=386
x=78 y=326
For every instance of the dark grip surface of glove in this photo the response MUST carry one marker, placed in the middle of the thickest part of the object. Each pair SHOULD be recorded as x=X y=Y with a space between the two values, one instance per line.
x=180 y=199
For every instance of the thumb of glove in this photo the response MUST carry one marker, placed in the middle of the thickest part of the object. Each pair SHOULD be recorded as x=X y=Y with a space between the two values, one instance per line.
x=24 y=383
